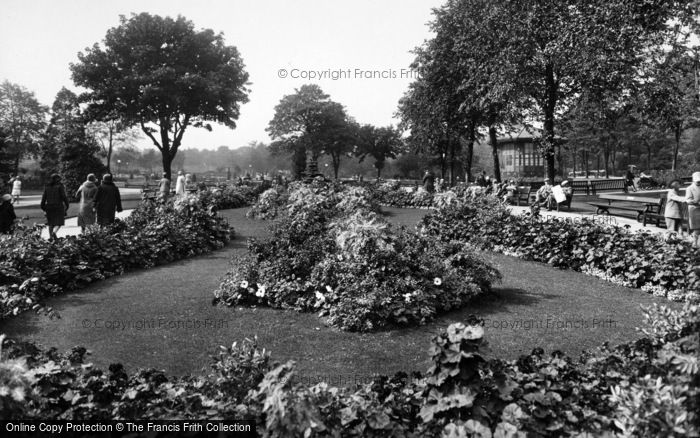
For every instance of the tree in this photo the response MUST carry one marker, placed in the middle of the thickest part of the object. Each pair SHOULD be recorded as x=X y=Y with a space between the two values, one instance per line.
x=22 y=119
x=162 y=75
x=540 y=54
x=670 y=97
x=68 y=149
x=380 y=144
x=110 y=134
x=309 y=122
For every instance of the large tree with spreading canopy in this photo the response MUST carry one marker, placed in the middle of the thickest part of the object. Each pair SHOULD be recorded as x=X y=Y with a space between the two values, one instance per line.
x=162 y=75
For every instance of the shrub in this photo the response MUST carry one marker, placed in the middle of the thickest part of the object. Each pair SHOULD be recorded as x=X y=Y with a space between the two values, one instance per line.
x=644 y=388
x=634 y=259
x=32 y=268
x=330 y=253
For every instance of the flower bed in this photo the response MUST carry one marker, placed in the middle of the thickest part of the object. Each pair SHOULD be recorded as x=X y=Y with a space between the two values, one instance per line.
x=634 y=259
x=646 y=388
x=329 y=252
x=32 y=268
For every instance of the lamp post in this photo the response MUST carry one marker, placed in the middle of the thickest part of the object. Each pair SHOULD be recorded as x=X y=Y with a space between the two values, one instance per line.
x=119 y=166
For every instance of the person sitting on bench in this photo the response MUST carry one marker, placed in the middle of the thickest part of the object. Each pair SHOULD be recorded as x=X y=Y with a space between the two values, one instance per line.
x=544 y=194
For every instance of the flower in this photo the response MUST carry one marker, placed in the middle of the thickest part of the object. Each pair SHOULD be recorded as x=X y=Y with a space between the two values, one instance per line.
x=18 y=393
x=329 y=289
x=407 y=297
x=244 y=284
x=437 y=281
x=320 y=296
x=261 y=291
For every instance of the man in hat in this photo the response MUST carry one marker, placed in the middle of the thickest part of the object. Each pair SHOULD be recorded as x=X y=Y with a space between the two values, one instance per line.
x=107 y=201
x=54 y=203
x=544 y=194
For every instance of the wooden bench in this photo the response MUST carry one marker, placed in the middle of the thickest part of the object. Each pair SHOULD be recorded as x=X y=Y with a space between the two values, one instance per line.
x=581 y=186
x=522 y=193
x=608 y=185
x=656 y=214
x=602 y=208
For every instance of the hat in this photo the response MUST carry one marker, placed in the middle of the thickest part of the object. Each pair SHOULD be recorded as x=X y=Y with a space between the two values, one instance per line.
x=696 y=177
x=55 y=177
x=107 y=177
x=565 y=182
x=7 y=197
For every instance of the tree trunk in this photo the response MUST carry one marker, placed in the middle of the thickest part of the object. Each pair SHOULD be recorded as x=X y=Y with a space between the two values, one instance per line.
x=469 y=154
x=299 y=162
x=494 y=152
x=167 y=162
x=573 y=160
x=379 y=165
x=109 y=150
x=453 y=147
x=16 y=163
x=676 y=146
x=588 y=171
x=336 y=166
x=549 y=107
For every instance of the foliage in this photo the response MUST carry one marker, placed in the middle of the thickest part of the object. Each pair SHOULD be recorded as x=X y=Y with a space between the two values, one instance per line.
x=32 y=268
x=68 y=149
x=331 y=253
x=645 y=388
x=178 y=77
x=22 y=122
x=380 y=144
x=308 y=121
x=637 y=259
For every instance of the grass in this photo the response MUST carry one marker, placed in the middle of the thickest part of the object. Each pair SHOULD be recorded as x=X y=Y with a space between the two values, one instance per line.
x=163 y=318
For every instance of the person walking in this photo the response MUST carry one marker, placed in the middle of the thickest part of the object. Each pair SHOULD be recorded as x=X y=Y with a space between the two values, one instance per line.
x=180 y=184
x=54 y=203
x=429 y=181
x=692 y=197
x=16 y=189
x=164 y=187
x=7 y=214
x=107 y=201
x=86 y=211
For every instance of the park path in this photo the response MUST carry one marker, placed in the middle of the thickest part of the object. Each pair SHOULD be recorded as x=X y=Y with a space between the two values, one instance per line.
x=163 y=318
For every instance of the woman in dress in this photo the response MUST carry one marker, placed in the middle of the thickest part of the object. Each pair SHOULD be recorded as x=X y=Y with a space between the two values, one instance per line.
x=692 y=197
x=180 y=184
x=16 y=189
x=86 y=211
x=54 y=203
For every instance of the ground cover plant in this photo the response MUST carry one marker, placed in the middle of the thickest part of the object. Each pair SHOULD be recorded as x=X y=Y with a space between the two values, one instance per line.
x=330 y=252
x=32 y=268
x=645 y=388
x=633 y=259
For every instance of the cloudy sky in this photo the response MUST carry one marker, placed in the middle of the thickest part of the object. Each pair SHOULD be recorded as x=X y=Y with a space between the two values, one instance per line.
x=364 y=44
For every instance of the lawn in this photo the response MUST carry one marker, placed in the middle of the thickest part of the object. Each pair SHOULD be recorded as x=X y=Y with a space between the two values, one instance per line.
x=163 y=318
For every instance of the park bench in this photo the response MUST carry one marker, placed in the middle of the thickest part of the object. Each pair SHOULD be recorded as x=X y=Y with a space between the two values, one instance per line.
x=655 y=213
x=522 y=194
x=602 y=208
x=567 y=203
x=581 y=186
x=608 y=185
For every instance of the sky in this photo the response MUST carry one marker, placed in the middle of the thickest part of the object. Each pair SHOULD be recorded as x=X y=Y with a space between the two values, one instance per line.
x=364 y=44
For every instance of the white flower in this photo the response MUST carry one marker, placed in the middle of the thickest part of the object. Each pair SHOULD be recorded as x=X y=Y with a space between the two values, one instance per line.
x=244 y=284
x=329 y=289
x=35 y=279
x=340 y=257
x=320 y=296
x=437 y=281
x=407 y=297
x=28 y=301
x=260 y=293
x=18 y=393
x=15 y=311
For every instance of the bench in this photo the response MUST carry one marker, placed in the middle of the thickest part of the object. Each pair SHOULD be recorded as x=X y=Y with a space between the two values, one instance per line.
x=522 y=193
x=605 y=209
x=567 y=203
x=656 y=213
x=608 y=185
x=581 y=186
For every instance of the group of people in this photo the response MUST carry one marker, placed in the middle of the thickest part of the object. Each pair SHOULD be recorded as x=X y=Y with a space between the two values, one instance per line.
x=182 y=182
x=98 y=204
x=673 y=213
